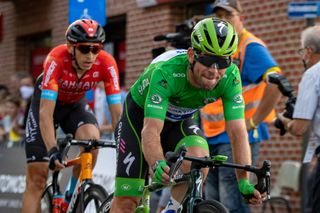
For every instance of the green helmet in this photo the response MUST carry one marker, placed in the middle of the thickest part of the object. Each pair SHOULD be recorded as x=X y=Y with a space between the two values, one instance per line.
x=214 y=36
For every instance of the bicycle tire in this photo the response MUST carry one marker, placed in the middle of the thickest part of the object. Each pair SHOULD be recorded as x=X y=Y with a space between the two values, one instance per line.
x=95 y=193
x=106 y=205
x=210 y=206
x=46 y=200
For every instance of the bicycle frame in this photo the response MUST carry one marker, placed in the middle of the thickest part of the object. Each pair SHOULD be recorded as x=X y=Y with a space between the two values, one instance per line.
x=194 y=179
x=85 y=162
x=85 y=178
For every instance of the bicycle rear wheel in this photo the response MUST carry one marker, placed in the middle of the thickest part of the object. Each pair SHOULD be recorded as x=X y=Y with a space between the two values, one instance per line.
x=94 y=195
x=106 y=205
x=210 y=206
x=46 y=200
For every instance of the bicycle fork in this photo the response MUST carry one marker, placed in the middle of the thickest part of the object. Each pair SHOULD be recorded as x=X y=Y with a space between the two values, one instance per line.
x=194 y=193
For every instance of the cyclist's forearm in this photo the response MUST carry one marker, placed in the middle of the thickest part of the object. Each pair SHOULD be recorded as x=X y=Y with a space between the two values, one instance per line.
x=150 y=140
x=240 y=146
x=47 y=130
x=151 y=147
x=241 y=155
x=115 y=110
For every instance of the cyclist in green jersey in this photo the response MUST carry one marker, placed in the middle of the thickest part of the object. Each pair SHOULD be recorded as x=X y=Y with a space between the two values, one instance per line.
x=157 y=115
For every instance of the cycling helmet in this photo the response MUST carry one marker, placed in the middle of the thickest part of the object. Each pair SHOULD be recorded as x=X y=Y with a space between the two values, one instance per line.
x=214 y=36
x=85 y=30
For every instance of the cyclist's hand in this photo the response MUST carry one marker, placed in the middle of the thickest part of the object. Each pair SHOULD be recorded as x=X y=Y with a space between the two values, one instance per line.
x=250 y=194
x=161 y=170
x=55 y=159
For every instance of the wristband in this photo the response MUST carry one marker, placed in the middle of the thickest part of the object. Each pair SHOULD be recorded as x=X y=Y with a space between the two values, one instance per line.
x=252 y=124
x=245 y=187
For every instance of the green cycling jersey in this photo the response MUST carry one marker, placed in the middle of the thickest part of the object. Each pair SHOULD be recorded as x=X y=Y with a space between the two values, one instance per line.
x=164 y=91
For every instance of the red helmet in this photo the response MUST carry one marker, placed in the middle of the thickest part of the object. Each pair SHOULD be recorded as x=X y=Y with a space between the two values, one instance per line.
x=85 y=30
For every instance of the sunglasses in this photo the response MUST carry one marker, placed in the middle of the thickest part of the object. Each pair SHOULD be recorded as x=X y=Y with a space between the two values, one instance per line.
x=213 y=61
x=85 y=49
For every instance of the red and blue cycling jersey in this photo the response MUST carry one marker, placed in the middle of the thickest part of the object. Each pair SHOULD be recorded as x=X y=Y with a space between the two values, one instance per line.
x=61 y=83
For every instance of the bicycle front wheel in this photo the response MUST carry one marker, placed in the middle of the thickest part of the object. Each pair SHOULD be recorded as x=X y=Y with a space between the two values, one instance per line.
x=94 y=195
x=210 y=206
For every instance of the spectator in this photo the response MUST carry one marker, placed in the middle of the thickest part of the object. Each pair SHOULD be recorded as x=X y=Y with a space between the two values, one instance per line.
x=13 y=120
x=255 y=63
x=308 y=115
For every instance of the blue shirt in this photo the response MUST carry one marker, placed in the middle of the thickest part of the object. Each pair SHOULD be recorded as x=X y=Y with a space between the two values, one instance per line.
x=257 y=61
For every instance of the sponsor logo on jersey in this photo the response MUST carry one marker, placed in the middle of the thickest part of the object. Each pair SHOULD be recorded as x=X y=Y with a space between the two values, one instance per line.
x=238 y=107
x=96 y=74
x=50 y=70
x=209 y=100
x=143 y=85
x=238 y=99
x=175 y=113
x=163 y=83
x=235 y=82
x=156 y=99
x=65 y=84
x=179 y=75
x=114 y=77
x=154 y=106
x=125 y=187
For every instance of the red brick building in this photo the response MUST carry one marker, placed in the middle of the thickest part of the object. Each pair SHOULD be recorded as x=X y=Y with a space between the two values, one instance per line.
x=30 y=28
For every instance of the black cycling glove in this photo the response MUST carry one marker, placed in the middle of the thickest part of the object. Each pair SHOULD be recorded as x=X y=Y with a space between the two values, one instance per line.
x=54 y=155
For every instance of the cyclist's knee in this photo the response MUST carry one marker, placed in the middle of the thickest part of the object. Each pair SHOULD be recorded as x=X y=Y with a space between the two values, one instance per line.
x=195 y=152
x=124 y=204
x=36 y=178
x=87 y=131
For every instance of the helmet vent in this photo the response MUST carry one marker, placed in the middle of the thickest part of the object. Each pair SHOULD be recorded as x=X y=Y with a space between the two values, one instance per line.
x=208 y=37
x=232 y=41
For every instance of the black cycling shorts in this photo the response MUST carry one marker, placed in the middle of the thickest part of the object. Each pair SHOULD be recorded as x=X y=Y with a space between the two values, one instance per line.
x=68 y=116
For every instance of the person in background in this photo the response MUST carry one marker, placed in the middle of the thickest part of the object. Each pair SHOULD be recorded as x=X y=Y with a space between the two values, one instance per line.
x=306 y=115
x=70 y=70
x=4 y=92
x=255 y=63
x=13 y=120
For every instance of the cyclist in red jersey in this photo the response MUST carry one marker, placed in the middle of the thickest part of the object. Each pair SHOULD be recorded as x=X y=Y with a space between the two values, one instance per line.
x=58 y=100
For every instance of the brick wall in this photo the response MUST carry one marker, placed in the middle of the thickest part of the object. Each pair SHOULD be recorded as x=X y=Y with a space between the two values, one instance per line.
x=142 y=25
x=7 y=45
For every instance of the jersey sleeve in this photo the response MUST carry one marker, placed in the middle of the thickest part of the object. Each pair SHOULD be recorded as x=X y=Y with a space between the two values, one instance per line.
x=52 y=70
x=257 y=62
x=233 y=103
x=158 y=95
x=111 y=80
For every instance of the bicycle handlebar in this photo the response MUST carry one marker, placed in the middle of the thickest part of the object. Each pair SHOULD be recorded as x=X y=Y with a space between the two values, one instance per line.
x=90 y=144
x=262 y=173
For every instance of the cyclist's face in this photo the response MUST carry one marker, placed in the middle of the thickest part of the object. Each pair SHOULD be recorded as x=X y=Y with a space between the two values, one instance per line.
x=207 y=77
x=86 y=54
